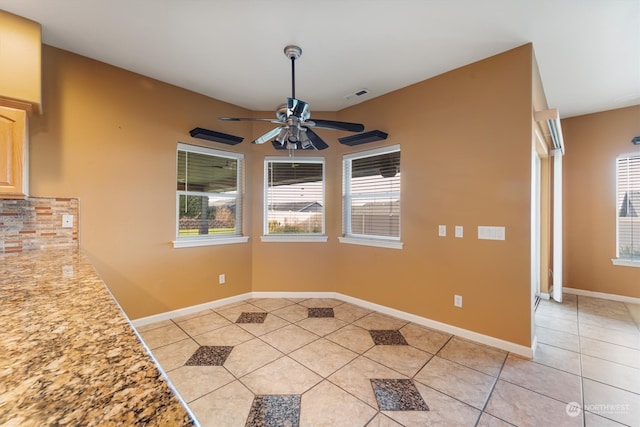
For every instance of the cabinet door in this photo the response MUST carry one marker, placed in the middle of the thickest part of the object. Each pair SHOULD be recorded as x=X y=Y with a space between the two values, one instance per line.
x=13 y=153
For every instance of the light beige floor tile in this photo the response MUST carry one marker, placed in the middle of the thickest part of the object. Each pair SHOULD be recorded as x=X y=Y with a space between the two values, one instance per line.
x=271 y=323
x=162 y=336
x=174 y=355
x=152 y=326
x=523 y=407
x=249 y=356
x=270 y=304
x=378 y=321
x=402 y=358
x=611 y=352
x=558 y=338
x=228 y=336
x=443 y=411
x=350 y=312
x=355 y=378
x=611 y=373
x=569 y=315
x=232 y=313
x=196 y=381
x=201 y=324
x=292 y=313
x=321 y=325
x=476 y=356
x=282 y=376
x=381 y=420
x=487 y=420
x=465 y=384
x=569 y=297
x=542 y=379
x=328 y=405
x=565 y=360
x=353 y=338
x=564 y=325
x=634 y=312
x=323 y=356
x=593 y=420
x=626 y=325
x=321 y=303
x=192 y=315
x=611 y=403
x=227 y=406
x=423 y=338
x=289 y=338
x=610 y=335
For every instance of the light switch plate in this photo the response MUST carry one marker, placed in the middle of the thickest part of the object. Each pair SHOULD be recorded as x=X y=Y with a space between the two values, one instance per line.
x=459 y=231
x=67 y=221
x=442 y=230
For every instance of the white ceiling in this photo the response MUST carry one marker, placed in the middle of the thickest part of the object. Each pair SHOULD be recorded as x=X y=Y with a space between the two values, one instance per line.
x=588 y=51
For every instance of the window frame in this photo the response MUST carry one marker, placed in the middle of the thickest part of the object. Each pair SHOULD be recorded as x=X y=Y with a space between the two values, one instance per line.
x=618 y=260
x=292 y=237
x=348 y=237
x=208 y=239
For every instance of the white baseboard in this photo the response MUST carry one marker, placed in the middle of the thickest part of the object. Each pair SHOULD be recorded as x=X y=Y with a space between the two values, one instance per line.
x=433 y=324
x=544 y=295
x=612 y=297
x=188 y=310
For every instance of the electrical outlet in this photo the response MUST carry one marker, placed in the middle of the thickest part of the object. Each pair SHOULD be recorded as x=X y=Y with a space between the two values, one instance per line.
x=457 y=301
x=221 y=279
x=442 y=230
x=459 y=231
x=67 y=221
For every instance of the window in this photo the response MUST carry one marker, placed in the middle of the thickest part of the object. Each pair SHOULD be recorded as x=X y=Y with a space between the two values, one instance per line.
x=294 y=199
x=208 y=197
x=628 y=210
x=371 y=197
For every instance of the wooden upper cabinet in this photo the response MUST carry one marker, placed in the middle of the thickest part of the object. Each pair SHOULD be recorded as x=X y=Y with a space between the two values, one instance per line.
x=14 y=138
x=20 y=63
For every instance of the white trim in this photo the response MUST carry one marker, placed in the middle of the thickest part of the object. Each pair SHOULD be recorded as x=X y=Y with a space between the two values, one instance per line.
x=208 y=241
x=625 y=262
x=302 y=238
x=534 y=344
x=381 y=243
x=611 y=297
x=557 y=224
x=209 y=151
x=188 y=310
x=295 y=295
x=544 y=295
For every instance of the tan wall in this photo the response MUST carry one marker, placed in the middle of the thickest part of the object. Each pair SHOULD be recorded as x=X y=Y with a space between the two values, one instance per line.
x=109 y=137
x=592 y=143
x=20 y=60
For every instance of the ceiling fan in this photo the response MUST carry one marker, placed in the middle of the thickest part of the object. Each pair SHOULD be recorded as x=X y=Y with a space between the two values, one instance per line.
x=294 y=119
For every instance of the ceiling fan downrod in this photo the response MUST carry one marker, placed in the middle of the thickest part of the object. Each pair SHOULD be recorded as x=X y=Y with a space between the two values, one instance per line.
x=293 y=52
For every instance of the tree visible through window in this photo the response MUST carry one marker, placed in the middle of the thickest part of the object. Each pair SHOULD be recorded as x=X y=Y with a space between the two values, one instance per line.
x=628 y=207
x=371 y=194
x=208 y=192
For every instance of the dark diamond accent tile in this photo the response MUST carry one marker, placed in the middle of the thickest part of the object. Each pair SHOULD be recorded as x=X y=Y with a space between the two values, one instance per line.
x=247 y=317
x=274 y=411
x=209 y=356
x=321 y=312
x=398 y=395
x=388 y=337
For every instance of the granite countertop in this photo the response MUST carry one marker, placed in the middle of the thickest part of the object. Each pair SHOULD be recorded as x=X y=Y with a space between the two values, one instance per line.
x=68 y=354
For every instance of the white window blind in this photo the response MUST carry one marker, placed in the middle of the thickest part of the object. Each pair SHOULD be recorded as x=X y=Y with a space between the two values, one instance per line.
x=371 y=194
x=209 y=193
x=294 y=196
x=628 y=207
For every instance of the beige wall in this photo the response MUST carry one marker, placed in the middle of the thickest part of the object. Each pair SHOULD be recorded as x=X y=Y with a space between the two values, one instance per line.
x=109 y=138
x=592 y=143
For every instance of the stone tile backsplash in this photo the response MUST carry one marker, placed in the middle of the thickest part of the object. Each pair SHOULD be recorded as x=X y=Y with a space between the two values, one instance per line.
x=36 y=223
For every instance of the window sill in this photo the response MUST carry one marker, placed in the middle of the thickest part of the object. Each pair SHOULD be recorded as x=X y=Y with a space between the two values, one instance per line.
x=208 y=241
x=380 y=243
x=294 y=238
x=626 y=262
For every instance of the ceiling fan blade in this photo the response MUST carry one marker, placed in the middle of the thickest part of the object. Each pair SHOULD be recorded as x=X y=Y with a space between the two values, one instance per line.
x=267 y=136
x=332 y=124
x=318 y=143
x=248 y=119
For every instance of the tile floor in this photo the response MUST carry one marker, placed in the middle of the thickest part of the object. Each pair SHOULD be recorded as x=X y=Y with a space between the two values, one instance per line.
x=324 y=362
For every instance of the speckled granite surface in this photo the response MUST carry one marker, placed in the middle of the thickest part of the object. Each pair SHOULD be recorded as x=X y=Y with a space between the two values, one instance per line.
x=68 y=355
